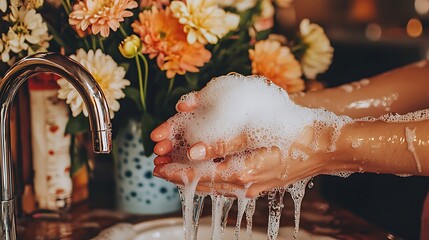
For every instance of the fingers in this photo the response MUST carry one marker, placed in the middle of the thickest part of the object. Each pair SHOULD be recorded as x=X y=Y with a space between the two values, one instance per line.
x=186 y=107
x=190 y=105
x=203 y=151
x=162 y=160
x=163 y=148
x=161 y=132
x=177 y=176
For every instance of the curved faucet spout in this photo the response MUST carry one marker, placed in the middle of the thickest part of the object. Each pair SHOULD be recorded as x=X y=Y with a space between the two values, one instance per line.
x=88 y=89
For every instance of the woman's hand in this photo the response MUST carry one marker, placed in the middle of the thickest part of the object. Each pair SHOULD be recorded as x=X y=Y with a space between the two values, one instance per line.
x=264 y=168
x=161 y=135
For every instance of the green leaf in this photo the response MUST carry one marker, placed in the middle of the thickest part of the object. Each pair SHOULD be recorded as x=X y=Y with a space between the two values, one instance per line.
x=148 y=123
x=134 y=94
x=263 y=34
x=77 y=124
x=56 y=36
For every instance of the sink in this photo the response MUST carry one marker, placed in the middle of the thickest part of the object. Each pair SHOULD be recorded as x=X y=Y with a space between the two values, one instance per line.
x=172 y=228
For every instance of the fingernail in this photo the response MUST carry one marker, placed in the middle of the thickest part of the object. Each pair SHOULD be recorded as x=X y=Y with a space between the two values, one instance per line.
x=197 y=152
x=156 y=174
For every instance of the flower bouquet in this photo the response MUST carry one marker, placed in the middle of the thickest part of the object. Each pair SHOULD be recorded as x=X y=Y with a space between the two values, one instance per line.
x=146 y=54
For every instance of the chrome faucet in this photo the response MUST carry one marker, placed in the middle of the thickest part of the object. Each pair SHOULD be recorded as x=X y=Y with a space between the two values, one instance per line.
x=92 y=96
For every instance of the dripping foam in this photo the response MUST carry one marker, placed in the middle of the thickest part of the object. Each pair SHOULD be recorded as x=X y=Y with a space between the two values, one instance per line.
x=228 y=107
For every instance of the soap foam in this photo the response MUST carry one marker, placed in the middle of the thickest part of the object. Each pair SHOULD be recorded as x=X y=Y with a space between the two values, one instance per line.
x=226 y=108
x=234 y=104
x=410 y=135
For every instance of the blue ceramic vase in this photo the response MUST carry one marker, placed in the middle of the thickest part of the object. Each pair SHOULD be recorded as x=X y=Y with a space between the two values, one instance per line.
x=137 y=190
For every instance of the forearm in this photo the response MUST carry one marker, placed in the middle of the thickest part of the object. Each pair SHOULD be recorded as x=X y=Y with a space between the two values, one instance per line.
x=380 y=147
x=402 y=90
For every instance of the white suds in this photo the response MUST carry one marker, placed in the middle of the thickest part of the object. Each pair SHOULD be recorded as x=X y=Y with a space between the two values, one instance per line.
x=344 y=174
x=297 y=191
x=404 y=175
x=220 y=209
x=241 y=204
x=297 y=154
x=275 y=207
x=410 y=135
x=384 y=102
x=356 y=143
x=347 y=88
x=226 y=108
x=232 y=105
x=350 y=87
x=250 y=210
x=365 y=82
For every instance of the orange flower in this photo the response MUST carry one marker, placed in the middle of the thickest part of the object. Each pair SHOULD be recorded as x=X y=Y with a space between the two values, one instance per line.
x=163 y=37
x=185 y=58
x=157 y=29
x=101 y=15
x=278 y=64
x=157 y=3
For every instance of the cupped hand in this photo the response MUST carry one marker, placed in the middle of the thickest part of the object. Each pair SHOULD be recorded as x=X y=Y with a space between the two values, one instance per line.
x=264 y=168
x=199 y=151
x=161 y=134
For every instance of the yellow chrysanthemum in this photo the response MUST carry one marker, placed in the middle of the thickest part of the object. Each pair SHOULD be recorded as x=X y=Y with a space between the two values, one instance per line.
x=240 y=5
x=204 y=21
x=277 y=63
x=318 y=53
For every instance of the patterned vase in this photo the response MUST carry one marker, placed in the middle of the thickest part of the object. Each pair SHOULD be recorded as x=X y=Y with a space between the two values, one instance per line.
x=137 y=190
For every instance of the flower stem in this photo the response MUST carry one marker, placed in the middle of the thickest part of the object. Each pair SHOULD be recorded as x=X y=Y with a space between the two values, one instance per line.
x=93 y=42
x=123 y=31
x=298 y=48
x=142 y=90
x=66 y=5
x=146 y=73
x=100 y=41
x=86 y=44
x=170 y=86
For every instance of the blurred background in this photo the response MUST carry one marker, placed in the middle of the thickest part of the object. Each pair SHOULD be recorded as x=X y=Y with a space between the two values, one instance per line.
x=370 y=37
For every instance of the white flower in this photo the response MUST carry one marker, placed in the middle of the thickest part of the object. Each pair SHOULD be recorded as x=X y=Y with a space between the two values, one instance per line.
x=4 y=49
x=203 y=20
x=318 y=54
x=28 y=33
x=33 y=3
x=3 y=5
x=240 y=5
x=106 y=73
x=265 y=20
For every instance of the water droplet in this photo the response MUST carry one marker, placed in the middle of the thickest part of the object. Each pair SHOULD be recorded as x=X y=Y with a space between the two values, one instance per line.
x=311 y=184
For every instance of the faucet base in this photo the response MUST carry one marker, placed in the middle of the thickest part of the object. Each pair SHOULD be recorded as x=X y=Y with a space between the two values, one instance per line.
x=8 y=230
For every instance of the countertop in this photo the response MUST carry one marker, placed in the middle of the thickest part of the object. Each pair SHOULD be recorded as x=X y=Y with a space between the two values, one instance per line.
x=87 y=219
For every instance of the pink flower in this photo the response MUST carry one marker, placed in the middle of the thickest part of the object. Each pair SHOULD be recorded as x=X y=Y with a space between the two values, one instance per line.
x=100 y=15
